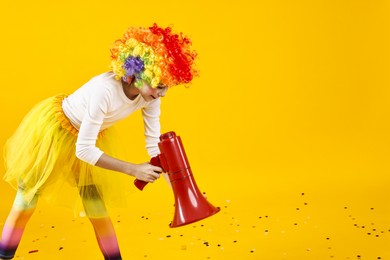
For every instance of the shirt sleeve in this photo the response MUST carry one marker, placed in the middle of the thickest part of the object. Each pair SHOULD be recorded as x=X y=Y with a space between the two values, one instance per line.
x=151 y=116
x=96 y=109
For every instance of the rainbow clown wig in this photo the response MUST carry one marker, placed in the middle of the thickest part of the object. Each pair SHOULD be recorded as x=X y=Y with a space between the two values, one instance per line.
x=154 y=55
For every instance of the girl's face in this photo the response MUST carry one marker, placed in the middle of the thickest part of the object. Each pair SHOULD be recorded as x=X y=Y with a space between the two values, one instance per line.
x=148 y=93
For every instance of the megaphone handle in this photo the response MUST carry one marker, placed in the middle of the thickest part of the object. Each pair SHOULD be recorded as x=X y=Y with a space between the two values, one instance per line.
x=141 y=184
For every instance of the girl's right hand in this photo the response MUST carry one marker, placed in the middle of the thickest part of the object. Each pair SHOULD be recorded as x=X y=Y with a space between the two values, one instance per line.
x=146 y=172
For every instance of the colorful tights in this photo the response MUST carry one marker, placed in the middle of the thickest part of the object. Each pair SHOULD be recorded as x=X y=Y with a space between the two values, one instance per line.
x=94 y=207
x=101 y=222
x=15 y=224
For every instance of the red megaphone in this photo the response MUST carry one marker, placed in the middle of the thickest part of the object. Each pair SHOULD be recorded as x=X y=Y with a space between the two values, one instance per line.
x=190 y=204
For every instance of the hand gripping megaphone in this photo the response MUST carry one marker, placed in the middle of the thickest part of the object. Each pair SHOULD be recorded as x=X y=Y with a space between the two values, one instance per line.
x=190 y=204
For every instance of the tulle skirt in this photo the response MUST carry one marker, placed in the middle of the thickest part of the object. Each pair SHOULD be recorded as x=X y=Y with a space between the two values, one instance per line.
x=40 y=160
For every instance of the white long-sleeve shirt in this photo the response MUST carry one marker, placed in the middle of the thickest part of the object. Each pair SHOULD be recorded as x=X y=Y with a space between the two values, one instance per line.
x=100 y=103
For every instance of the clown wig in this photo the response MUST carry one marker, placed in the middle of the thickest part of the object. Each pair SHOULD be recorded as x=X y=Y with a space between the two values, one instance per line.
x=154 y=55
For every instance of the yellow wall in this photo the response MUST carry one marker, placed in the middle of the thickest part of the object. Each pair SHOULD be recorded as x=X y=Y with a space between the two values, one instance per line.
x=286 y=129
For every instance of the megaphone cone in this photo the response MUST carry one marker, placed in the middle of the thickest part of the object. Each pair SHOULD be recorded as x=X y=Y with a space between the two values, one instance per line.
x=190 y=204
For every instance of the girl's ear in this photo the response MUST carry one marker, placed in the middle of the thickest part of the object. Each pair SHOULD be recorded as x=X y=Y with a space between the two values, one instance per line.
x=129 y=80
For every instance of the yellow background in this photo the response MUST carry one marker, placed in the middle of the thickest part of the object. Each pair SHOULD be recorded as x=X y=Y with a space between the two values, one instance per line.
x=287 y=129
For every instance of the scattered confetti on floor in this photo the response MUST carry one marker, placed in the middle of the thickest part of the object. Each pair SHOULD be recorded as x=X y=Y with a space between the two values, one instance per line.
x=298 y=225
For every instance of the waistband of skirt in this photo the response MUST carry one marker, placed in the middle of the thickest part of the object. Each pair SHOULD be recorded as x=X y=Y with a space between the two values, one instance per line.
x=60 y=116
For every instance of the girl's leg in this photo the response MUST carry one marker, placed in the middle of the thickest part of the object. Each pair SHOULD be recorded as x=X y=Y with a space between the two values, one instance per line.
x=101 y=222
x=15 y=225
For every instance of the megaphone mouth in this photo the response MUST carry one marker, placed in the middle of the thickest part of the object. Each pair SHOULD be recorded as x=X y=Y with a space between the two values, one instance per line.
x=172 y=225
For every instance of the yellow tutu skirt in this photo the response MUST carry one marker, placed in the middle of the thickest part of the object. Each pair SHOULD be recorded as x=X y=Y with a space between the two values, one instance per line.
x=40 y=160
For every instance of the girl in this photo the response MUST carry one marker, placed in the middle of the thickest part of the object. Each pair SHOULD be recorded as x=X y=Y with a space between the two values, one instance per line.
x=65 y=142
